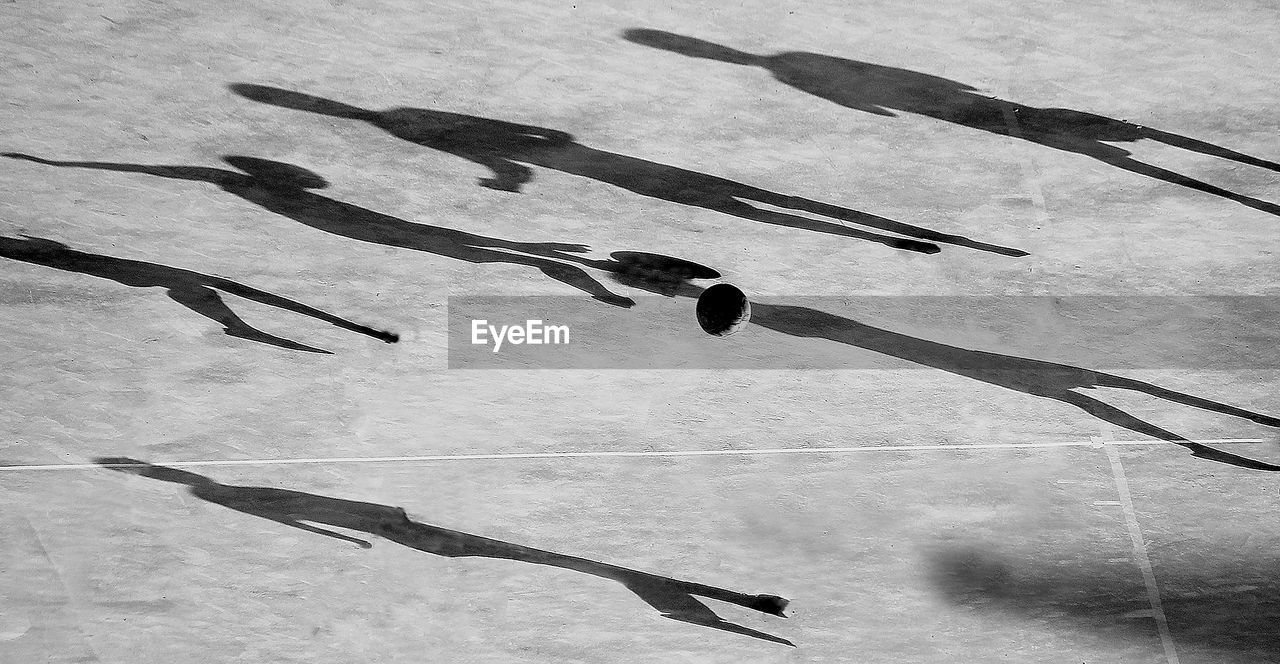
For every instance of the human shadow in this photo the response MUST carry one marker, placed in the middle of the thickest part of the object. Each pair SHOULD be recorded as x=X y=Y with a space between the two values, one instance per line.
x=674 y=598
x=1228 y=606
x=880 y=90
x=508 y=149
x=1035 y=377
x=193 y=290
x=285 y=190
x=1039 y=378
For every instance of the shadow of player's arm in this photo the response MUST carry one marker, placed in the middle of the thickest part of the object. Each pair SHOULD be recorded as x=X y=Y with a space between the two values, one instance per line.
x=494 y=144
x=197 y=173
x=507 y=174
x=254 y=501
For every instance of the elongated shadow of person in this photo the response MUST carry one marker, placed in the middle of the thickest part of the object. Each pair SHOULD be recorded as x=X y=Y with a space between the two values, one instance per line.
x=880 y=90
x=507 y=149
x=195 y=291
x=675 y=599
x=285 y=190
x=1035 y=377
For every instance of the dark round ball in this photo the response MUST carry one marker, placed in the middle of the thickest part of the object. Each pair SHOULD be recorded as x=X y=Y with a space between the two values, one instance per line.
x=723 y=309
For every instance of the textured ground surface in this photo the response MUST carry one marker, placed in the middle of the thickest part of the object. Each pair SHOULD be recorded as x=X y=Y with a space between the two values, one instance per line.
x=1120 y=553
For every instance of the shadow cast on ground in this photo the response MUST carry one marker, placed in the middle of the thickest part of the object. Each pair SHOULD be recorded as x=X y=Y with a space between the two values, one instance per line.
x=880 y=90
x=675 y=599
x=195 y=291
x=285 y=190
x=1039 y=378
x=508 y=149
x=1229 y=607
x=1035 y=377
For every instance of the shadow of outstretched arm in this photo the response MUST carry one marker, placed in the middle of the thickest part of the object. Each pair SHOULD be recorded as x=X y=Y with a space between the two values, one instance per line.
x=276 y=505
x=196 y=173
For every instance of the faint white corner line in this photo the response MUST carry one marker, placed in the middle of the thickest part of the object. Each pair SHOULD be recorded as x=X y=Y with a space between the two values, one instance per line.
x=1139 y=548
x=95 y=328
x=75 y=605
x=1030 y=176
x=637 y=454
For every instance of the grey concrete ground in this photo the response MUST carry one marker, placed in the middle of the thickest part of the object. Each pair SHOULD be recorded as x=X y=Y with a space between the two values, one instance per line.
x=801 y=150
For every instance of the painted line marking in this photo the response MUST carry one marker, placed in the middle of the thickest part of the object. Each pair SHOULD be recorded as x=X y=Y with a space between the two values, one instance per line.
x=1140 y=549
x=1030 y=174
x=608 y=455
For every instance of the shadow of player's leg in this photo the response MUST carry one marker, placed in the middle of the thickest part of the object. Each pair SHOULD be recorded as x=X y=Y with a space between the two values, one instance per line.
x=565 y=274
x=1141 y=168
x=1108 y=380
x=1109 y=413
x=264 y=297
x=207 y=303
x=874 y=221
x=746 y=211
x=1194 y=145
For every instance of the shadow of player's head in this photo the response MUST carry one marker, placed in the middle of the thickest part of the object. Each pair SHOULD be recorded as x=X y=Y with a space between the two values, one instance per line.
x=277 y=175
x=689 y=46
x=163 y=473
x=27 y=246
x=655 y=273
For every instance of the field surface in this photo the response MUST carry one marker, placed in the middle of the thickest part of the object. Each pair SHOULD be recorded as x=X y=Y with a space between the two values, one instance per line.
x=1008 y=391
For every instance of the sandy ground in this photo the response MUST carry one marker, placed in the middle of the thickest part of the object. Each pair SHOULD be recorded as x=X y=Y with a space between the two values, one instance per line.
x=1040 y=542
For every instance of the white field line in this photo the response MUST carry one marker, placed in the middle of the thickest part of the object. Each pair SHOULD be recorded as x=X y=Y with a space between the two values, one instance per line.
x=1140 y=552
x=637 y=454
